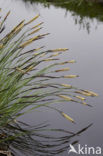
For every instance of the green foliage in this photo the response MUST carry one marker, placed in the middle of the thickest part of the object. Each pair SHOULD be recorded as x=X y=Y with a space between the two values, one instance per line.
x=29 y=80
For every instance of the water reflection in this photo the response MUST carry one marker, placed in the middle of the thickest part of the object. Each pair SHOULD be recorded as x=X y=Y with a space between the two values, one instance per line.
x=84 y=15
x=22 y=139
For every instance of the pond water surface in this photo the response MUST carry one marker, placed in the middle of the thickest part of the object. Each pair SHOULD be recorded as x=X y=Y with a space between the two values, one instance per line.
x=84 y=38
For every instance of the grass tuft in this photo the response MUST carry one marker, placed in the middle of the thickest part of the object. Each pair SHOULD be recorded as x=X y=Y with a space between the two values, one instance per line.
x=28 y=82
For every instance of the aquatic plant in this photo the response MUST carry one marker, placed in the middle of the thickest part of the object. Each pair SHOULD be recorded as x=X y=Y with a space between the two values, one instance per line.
x=29 y=79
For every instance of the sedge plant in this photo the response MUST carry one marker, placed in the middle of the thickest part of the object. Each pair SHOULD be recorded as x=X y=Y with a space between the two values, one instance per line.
x=29 y=80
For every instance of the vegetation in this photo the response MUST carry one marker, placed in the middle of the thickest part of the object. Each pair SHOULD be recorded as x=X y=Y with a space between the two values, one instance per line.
x=28 y=80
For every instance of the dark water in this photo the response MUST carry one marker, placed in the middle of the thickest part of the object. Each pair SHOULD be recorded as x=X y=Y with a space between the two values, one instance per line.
x=84 y=38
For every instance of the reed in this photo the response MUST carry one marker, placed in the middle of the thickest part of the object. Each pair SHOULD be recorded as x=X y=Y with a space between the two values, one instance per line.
x=27 y=81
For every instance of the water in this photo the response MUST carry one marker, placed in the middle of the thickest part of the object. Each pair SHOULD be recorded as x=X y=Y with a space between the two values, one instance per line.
x=85 y=42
